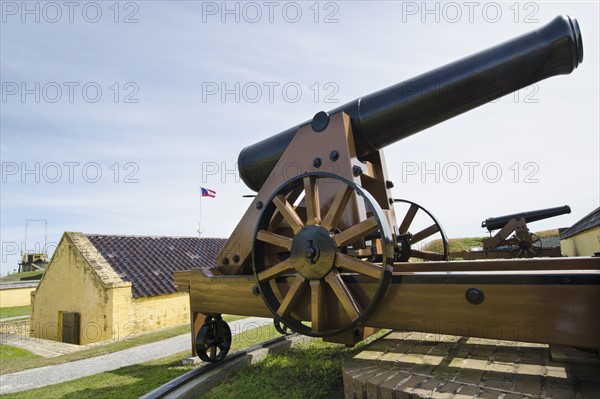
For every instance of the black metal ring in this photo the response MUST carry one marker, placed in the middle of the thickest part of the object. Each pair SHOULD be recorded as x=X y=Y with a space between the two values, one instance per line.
x=258 y=254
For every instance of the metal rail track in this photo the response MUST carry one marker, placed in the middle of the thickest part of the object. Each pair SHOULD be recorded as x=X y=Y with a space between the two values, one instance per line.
x=176 y=387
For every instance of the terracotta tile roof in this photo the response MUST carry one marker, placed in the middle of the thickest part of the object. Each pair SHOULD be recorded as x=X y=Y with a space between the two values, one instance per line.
x=149 y=262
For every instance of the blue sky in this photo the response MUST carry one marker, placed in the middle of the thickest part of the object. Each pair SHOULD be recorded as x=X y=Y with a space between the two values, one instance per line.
x=123 y=89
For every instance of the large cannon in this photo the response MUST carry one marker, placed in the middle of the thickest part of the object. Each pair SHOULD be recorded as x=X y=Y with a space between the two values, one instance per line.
x=523 y=243
x=513 y=238
x=319 y=249
x=394 y=113
x=499 y=222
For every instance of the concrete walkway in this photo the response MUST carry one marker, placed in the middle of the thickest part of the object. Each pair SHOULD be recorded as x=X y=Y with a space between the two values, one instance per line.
x=49 y=375
x=4 y=320
x=42 y=347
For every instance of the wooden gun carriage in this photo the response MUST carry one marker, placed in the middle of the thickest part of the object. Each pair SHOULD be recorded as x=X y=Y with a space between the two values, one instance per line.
x=320 y=249
x=523 y=243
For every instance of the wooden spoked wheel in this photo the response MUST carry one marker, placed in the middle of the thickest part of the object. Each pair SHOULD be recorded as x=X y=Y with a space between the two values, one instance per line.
x=526 y=248
x=413 y=232
x=313 y=273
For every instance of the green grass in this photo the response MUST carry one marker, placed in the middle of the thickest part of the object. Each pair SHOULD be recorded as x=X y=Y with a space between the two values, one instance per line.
x=13 y=365
x=547 y=233
x=466 y=243
x=11 y=353
x=455 y=244
x=126 y=382
x=136 y=380
x=306 y=371
x=18 y=276
x=15 y=311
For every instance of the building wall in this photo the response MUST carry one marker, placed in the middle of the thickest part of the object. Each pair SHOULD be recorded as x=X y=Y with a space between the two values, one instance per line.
x=10 y=297
x=122 y=317
x=582 y=244
x=107 y=310
x=135 y=315
x=71 y=285
x=162 y=311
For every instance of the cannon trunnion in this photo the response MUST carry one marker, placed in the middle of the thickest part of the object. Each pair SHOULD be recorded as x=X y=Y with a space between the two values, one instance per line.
x=321 y=251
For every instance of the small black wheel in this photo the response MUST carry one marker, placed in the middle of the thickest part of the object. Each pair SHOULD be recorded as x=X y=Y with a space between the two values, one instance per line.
x=214 y=339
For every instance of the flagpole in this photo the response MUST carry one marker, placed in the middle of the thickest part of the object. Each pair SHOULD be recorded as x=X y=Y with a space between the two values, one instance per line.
x=200 y=216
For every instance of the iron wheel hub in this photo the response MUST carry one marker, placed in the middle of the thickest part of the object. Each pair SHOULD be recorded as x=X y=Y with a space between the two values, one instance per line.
x=313 y=252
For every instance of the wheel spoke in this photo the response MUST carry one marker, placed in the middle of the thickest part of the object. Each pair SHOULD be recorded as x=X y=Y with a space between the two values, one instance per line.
x=357 y=266
x=336 y=210
x=213 y=352
x=317 y=306
x=311 y=199
x=276 y=270
x=291 y=230
x=277 y=216
x=343 y=294
x=275 y=220
x=291 y=297
x=520 y=253
x=408 y=218
x=288 y=212
x=427 y=255
x=355 y=232
x=274 y=239
x=423 y=234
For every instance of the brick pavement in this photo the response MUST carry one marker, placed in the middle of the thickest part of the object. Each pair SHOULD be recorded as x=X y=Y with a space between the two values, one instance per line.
x=421 y=365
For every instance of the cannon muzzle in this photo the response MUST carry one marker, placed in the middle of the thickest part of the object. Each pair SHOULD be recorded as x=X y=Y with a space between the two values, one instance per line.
x=532 y=216
x=392 y=114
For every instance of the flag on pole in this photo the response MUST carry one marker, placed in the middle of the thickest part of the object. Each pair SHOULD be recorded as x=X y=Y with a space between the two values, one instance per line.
x=207 y=192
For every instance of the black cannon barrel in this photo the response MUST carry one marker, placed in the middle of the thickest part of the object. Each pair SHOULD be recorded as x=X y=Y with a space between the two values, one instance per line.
x=394 y=113
x=531 y=216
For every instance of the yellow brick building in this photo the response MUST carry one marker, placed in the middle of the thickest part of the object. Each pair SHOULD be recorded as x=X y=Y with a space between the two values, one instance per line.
x=583 y=238
x=101 y=287
x=16 y=293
